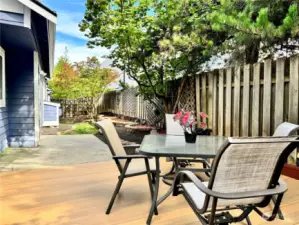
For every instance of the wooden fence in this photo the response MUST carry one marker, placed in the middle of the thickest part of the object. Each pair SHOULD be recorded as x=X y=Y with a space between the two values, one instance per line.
x=128 y=104
x=251 y=100
x=74 y=108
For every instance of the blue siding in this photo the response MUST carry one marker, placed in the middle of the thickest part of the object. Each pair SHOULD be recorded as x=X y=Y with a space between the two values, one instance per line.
x=20 y=98
x=11 y=18
x=3 y=128
x=50 y=113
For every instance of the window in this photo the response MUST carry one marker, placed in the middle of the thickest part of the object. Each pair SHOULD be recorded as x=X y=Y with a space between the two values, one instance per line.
x=2 y=78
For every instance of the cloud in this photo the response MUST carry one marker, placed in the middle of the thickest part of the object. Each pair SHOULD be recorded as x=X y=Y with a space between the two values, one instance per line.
x=78 y=52
x=68 y=24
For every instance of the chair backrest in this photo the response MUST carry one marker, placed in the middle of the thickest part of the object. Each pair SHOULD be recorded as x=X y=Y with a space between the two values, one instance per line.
x=249 y=164
x=173 y=127
x=114 y=142
x=286 y=129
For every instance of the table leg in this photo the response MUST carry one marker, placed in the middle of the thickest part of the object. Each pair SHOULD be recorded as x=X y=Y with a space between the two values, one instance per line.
x=176 y=170
x=156 y=192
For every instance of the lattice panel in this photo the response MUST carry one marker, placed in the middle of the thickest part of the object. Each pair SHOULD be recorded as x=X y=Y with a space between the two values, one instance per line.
x=152 y=117
x=129 y=102
x=188 y=97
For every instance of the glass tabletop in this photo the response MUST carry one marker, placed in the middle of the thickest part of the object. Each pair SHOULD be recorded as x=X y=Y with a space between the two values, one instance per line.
x=175 y=146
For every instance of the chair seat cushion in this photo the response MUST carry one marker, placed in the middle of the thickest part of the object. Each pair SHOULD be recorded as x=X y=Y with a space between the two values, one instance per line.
x=138 y=165
x=196 y=195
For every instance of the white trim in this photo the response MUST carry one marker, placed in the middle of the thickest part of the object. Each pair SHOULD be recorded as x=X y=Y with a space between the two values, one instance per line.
x=52 y=104
x=36 y=99
x=52 y=39
x=3 y=100
x=51 y=123
x=27 y=17
x=30 y=4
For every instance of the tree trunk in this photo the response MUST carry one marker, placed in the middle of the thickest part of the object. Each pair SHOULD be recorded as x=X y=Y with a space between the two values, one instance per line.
x=182 y=84
x=252 y=52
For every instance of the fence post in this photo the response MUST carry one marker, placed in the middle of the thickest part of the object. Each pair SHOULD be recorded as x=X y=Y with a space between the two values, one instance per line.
x=215 y=116
x=256 y=100
x=237 y=93
x=267 y=97
x=228 y=104
x=279 y=91
x=246 y=101
x=210 y=100
x=221 y=103
x=197 y=89
x=294 y=90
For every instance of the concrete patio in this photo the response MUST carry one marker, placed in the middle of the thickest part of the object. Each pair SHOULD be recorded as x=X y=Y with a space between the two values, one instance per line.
x=56 y=150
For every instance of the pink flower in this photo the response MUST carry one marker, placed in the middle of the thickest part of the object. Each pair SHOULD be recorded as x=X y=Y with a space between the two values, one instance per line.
x=203 y=124
x=203 y=115
x=185 y=118
x=178 y=115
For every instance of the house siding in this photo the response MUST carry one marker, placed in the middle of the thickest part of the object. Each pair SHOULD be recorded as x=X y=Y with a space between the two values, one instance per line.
x=3 y=128
x=50 y=113
x=11 y=18
x=20 y=98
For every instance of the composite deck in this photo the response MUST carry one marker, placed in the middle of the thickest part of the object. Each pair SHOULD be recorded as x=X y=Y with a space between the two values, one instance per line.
x=79 y=195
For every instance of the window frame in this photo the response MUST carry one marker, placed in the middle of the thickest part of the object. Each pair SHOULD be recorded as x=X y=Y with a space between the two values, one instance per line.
x=3 y=100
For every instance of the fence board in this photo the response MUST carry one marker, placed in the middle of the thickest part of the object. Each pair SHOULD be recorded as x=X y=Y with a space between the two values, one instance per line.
x=256 y=99
x=210 y=100
x=197 y=88
x=294 y=89
x=279 y=91
x=237 y=93
x=221 y=103
x=215 y=105
x=267 y=98
x=228 y=103
x=246 y=101
x=204 y=95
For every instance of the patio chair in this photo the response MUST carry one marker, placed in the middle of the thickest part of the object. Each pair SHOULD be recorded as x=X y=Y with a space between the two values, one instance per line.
x=128 y=165
x=245 y=176
x=174 y=128
x=285 y=129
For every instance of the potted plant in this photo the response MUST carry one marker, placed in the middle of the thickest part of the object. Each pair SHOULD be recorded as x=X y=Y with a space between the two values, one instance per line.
x=189 y=124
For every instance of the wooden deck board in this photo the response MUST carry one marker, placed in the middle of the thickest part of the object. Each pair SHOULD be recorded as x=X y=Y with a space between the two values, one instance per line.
x=79 y=195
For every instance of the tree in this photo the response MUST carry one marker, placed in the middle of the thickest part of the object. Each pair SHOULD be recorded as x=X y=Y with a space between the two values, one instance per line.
x=84 y=79
x=254 y=27
x=64 y=78
x=153 y=41
x=92 y=83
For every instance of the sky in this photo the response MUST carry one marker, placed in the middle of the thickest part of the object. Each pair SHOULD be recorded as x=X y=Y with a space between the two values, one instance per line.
x=70 y=13
x=68 y=35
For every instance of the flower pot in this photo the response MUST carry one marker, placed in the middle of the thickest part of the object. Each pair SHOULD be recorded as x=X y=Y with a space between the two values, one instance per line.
x=190 y=138
x=291 y=171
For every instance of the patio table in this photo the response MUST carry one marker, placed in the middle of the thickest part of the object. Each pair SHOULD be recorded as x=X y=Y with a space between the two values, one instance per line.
x=158 y=146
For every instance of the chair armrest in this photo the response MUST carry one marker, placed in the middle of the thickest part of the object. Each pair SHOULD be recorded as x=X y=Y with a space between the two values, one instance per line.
x=132 y=157
x=279 y=189
x=131 y=146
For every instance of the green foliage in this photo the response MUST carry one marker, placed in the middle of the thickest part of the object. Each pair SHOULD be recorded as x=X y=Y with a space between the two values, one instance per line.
x=256 y=25
x=84 y=79
x=153 y=41
x=157 y=41
x=82 y=128
x=63 y=79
